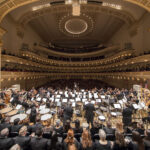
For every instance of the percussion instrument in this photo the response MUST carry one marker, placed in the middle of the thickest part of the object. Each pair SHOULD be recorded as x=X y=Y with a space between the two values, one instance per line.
x=11 y=113
x=46 y=117
x=44 y=111
x=20 y=116
x=18 y=107
x=5 y=110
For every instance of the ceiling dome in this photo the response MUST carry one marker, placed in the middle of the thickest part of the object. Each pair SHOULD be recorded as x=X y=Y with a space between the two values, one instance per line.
x=76 y=26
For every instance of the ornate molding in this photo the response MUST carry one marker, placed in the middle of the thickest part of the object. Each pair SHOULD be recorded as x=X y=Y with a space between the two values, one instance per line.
x=81 y=55
x=6 y=75
x=109 y=60
x=120 y=14
x=2 y=32
x=20 y=30
x=10 y=5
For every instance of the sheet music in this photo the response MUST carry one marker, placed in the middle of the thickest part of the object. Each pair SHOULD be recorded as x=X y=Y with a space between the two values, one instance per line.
x=44 y=99
x=98 y=100
x=57 y=100
x=103 y=96
x=73 y=95
x=93 y=102
x=121 y=102
x=117 y=106
x=38 y=99
x=95 y=95
x=84 y=100
x=61 y=92
x=113 y=114
x=101 y=118
x=66 y=95
x=71 y=100
x=58 y=104
x=58 y=96
x=64 y=100
x=78 y=99
x=73 y=104
x=51 y=99
x=42 y=107
x=135 y=106
x=18 y=106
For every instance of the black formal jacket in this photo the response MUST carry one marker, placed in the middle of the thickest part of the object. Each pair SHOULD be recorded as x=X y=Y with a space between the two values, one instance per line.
x=5 y=125
x=68 y=111
x=23 y=141
x=109 y=130
x=35 y=126
x=89 y=111
x=6 y=143
x=15 y=128
x=118 y=147
x=147 y=143
x=38 y=143
x=127 y=115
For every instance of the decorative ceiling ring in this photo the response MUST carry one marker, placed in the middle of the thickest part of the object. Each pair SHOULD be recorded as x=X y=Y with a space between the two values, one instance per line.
x=76 y=26
x=120 y=14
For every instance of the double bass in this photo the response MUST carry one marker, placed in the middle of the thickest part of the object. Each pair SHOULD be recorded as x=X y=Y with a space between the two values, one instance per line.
x=7 y=97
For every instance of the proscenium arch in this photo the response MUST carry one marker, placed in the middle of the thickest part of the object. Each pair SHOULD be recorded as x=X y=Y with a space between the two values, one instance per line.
x=10 y=5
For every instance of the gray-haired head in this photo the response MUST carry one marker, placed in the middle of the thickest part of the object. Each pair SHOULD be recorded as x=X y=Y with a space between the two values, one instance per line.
x=102 y=134
x=5 y=132
x=15 y=147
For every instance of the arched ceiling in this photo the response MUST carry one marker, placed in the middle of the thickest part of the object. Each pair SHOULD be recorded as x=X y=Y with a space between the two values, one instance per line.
x=98 y=23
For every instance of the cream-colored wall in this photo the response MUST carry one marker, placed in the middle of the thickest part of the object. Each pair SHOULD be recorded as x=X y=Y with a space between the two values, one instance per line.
x=140 y=41
x=11 y=41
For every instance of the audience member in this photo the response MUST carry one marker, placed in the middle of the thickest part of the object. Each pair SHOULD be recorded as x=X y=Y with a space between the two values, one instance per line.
x=39 y=143
x=22 y=140
x=78 y=128
x=147 y=140
x=16 y=127
x=5 y=141
x=86 y=141
x=70 y=143
x=119 y=143
x=15 y=147
x=102 y=144
x=108 y=129
x=138 y=143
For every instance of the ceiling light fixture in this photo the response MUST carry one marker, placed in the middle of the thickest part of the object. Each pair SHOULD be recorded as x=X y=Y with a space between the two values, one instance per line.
x=76 y=9
x=115 y=6
x=41 y=6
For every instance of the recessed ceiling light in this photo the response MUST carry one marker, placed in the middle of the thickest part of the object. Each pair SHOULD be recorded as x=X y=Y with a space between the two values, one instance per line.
x=40 y=6
x=115 y=6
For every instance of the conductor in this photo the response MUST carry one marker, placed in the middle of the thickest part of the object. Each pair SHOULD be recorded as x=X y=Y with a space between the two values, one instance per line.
x=68 y=111
x=127 y=115
x=89 y=112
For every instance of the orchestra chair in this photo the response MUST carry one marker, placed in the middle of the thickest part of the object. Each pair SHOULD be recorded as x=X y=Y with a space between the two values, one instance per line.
x=13 y=134
x=110 y=137
x=47 y=135
x=96 y=137
x=77 y=136
x=64 y=135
